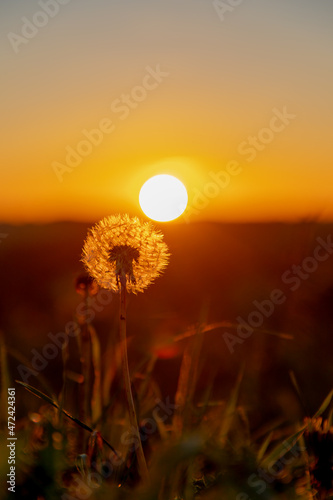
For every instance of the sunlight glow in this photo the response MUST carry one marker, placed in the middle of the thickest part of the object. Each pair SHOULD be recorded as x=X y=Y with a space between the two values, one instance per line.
x=163 y=198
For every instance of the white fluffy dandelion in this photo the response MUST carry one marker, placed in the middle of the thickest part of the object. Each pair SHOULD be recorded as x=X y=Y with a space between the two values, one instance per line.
x=122 y=246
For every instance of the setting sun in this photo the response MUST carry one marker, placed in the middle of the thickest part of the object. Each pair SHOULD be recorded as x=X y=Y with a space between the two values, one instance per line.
x=163 y=198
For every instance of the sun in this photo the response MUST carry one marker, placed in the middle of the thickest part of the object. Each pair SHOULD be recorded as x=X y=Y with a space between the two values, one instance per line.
x=163 y=198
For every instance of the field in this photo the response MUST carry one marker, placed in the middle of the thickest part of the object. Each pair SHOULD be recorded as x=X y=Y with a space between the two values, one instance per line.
x=230 y=358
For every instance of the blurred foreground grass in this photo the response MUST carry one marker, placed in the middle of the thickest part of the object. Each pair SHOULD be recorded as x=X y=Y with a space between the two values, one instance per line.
x=196 y=447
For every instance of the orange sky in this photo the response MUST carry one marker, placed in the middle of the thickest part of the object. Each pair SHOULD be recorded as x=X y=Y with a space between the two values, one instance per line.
x=167 y=87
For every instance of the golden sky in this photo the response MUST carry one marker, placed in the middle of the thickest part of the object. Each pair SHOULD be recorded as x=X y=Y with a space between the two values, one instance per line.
x=233 y=97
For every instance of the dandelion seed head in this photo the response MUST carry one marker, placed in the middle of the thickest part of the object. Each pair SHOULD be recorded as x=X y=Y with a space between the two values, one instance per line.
x=120 y=246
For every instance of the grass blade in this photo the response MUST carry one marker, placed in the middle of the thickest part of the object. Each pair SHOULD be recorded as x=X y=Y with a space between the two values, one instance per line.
x=325 y=404
x=264 y=447
x=52 y=402
x=231 y=406
x=181 y=393
x=281 y=449
x=191 y=331
x=298 y=391
x=38 y=393
x=187 y=381
x=96 y=398
x=62 y=395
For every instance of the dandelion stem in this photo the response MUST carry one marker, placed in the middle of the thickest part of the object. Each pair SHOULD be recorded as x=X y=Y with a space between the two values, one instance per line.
x=127 y=381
